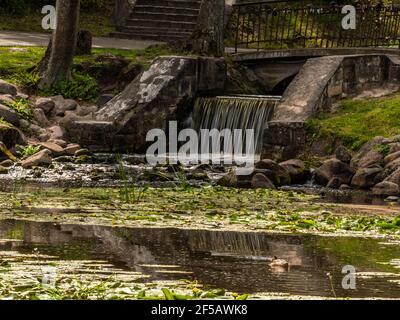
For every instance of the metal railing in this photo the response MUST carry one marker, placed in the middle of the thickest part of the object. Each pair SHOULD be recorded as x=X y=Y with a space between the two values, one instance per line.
x=280 y=25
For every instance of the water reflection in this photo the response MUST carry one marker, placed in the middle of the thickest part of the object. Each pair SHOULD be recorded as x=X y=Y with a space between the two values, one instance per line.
x=231 y=260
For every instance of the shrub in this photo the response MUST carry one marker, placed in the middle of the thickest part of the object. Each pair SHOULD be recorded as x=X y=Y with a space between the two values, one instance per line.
x=81 y=87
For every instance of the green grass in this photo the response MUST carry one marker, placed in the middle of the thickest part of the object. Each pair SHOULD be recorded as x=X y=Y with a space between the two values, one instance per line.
x=358 y=121
x=98 y=24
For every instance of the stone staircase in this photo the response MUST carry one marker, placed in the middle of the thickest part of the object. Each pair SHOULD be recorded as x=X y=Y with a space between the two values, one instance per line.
x=161 y=20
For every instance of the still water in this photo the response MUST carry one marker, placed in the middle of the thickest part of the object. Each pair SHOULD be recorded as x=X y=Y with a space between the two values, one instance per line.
x=236 y=261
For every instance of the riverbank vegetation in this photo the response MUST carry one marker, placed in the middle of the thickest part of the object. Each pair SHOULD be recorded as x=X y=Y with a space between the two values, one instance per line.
x=356 y=122
x=26 y=16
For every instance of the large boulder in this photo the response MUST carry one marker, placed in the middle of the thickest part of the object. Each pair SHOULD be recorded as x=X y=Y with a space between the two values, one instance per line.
x=161 y=93
x=333 y=168
x=366 y=177
x=276 y=173
x=296 y=168
x=386 y=188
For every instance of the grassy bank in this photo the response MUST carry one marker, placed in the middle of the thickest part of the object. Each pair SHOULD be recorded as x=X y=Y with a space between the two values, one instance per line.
x=98 y=23
x=358 y=121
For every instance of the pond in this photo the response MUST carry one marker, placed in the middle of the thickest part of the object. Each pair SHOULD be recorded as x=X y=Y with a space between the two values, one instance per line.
x=140 y=259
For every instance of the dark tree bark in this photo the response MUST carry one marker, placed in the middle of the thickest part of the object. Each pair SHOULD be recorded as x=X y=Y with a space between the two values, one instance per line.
x=208 y=37
x=63 y=43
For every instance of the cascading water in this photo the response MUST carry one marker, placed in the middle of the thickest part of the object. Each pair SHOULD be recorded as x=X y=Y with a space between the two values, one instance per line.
x=235 y=112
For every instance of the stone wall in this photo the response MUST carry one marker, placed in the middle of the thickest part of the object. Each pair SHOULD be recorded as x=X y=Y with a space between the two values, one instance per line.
x=161 y=94
x=320 y=84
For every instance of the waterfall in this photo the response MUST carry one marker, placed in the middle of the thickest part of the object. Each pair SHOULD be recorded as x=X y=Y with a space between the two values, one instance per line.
x=235 y=112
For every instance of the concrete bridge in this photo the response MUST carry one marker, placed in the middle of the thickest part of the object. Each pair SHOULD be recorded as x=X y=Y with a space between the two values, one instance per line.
x=277 y=68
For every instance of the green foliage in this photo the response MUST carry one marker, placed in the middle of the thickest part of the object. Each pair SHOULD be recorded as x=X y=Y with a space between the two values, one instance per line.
x=22 y=107
x=27 y=151
x=358 y=121
x=26 y=79
x=383 y=149
x=81 y=87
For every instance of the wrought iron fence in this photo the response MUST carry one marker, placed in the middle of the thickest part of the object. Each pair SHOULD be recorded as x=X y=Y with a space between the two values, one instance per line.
x=278 y=24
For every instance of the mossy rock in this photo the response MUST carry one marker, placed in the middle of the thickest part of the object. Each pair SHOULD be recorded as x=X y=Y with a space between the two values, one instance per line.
x=10 y=135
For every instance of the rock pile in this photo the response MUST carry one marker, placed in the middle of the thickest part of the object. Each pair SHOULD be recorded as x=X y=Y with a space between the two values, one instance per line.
x=39 y=122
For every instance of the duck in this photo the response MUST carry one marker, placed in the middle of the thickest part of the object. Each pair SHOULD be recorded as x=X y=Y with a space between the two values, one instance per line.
x=279 y=263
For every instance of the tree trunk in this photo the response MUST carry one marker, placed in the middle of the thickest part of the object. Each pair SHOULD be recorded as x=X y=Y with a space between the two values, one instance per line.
x=63 y=43
x=208 y=37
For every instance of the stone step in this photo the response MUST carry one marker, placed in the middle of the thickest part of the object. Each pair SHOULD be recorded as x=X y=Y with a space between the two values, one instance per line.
x=171 y=17
x=149 y=36
x=160 y=23
x=172 y=3
x=154 y=30
x=161 y=20
x=164 y=9
x=151 y=30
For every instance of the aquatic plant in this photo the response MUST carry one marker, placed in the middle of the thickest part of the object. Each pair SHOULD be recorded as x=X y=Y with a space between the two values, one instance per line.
x=128 y=192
